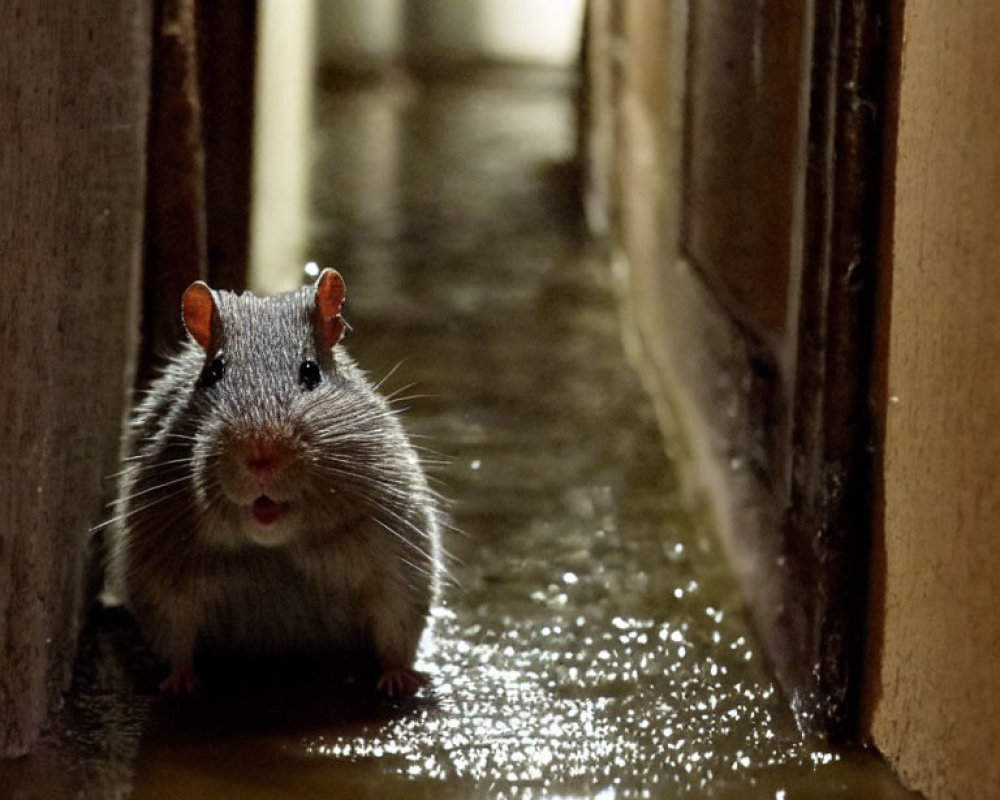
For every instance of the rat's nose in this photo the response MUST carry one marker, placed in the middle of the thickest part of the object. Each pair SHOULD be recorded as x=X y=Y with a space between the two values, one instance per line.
x=263 y=458
x=262 y=466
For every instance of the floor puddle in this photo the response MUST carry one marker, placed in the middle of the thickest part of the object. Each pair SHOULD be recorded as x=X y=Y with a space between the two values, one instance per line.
x=591 y=642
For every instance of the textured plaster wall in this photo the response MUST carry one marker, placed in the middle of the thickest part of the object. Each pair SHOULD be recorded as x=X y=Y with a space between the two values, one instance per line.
x=73 y=82
x=934 y=692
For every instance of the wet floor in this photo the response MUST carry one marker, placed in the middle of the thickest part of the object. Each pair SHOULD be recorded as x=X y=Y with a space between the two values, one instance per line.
x=591 y=641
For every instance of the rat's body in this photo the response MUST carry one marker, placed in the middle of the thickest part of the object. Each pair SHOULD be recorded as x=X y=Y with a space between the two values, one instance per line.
x=271 y=501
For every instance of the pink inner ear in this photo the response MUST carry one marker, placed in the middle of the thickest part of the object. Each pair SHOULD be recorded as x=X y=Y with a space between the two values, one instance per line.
x=197 y=310
x=330 y=293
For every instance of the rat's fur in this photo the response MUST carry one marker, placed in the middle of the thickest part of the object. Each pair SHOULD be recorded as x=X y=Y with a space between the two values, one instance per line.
x=351 y=562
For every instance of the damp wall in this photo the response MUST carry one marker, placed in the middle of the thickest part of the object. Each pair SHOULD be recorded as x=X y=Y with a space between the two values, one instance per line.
x=73 y=93
x=747 y=269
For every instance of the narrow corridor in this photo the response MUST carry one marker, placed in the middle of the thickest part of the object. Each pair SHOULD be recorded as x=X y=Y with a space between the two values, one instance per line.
x=591 y=641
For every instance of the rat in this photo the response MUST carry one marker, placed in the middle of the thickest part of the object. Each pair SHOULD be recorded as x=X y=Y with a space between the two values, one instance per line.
x=270 y=500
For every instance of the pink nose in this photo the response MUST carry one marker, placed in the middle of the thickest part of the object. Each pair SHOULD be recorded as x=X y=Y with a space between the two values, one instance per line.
x=263 y=459
x=261 y=466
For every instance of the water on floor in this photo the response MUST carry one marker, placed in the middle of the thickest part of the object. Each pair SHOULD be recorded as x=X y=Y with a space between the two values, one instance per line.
x=591 y=641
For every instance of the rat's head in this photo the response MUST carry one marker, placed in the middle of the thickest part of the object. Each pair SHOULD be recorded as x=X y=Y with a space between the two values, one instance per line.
x=267 y=404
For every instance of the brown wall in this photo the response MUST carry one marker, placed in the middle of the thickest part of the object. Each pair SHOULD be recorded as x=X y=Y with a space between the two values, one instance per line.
x=768 y=389
x=934 y=692
x=724 y=144
x=198 y=163
x=742 y=157
x=73 y=84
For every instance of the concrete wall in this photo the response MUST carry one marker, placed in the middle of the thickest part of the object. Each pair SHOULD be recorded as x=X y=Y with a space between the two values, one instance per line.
x=934 y=688
x=74 y=77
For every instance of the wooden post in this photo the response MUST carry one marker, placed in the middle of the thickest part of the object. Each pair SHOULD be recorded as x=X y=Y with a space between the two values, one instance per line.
x=74 y=77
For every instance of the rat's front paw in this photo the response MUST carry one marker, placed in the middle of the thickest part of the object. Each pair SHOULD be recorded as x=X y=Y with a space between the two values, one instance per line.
x=180 y=680
x=399 y=682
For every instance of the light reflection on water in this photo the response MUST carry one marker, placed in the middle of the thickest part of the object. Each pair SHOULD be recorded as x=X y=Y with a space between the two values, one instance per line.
x=563 y=665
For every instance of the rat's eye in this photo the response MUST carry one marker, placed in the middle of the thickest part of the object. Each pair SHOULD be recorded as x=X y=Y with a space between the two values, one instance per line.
x=214 y=371
x=309 y=374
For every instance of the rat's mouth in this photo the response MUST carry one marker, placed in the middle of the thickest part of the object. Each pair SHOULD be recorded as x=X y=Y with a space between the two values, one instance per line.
x=267 y=511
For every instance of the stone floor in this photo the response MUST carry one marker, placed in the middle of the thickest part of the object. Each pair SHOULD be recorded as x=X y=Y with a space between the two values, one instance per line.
x=591 y=642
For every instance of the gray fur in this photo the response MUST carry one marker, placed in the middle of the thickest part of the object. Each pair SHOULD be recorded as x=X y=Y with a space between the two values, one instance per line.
x=355 y=560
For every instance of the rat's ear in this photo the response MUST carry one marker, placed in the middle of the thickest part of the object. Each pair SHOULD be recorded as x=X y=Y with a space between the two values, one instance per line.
x=199 y=313
x=329 y=325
